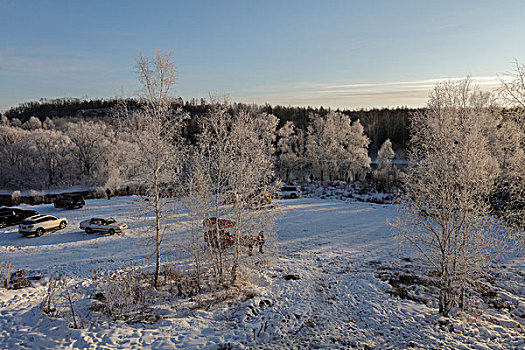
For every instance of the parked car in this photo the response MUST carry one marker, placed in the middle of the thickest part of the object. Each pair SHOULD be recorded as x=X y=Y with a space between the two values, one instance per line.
x=108 y=225
x=289 y=191
x=14 y=216
x=38 y=224
x=69 y=201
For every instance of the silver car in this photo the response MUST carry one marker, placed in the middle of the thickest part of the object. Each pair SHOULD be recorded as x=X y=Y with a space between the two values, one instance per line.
x=107 y=225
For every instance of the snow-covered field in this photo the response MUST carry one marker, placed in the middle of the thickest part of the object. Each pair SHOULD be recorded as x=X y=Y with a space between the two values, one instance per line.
x=346 y=296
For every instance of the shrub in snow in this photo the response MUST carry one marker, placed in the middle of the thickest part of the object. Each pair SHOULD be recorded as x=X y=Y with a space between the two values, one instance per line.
x=100 y=192
x=123 y=295
x=16 y=197
x=62 y=298
x=52 y=289
x=37 y=197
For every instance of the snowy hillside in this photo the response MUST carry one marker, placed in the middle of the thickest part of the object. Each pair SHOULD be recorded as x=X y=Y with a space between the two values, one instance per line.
x=339 y=280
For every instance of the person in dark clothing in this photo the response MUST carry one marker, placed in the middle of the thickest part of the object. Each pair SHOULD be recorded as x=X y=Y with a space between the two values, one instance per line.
x=108 y=193
x=128 y=190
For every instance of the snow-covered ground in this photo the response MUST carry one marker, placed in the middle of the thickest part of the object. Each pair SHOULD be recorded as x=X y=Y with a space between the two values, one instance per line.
x=346 y=296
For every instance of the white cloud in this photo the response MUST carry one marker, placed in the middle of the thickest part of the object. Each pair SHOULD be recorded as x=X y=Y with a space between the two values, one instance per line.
x=354 y=95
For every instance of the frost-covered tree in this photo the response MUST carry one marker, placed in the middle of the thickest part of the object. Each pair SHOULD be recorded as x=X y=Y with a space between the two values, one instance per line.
x=511 y=145
x=211 y=167
x=48 y=124
x=15 y=122
x=445 y=207
x=386 y=173
x=14 y=156
x=265 y=123
x=155 y=129
x=32 y=123
x=290 y=149
x=337 y=147
x=52 y=150
x=89 y=144
x=128 y=166
x=446 y=211
x=197 y=202
x=253 y=156
x=513 y=89
x=234 y=160
x=4 y=121
x=357 y=162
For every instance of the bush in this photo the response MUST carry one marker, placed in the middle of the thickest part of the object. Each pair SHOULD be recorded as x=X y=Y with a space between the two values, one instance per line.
x=124 y=295
x=16 y=197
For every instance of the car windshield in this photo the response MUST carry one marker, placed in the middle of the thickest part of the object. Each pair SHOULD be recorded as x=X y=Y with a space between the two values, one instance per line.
x=288 y=188
x=110 y=221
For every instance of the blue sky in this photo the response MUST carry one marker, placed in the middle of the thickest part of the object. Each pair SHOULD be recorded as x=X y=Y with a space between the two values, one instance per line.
x=348 y=54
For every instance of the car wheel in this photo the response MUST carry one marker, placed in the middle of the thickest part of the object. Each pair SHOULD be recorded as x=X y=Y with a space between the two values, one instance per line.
x=2 y=224
x=293 y=195
x=88 y=230
x=62 y=225
x=111 y=231
x=39 y=232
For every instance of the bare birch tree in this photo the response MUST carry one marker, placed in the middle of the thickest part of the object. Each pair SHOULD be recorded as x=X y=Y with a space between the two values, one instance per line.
x=445 y=208
x=511 y=142
x=155 y=129
x=197 y=202
x=235 y=160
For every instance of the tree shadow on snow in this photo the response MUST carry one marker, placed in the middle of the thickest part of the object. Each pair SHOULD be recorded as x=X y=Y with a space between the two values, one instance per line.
x=48 y=239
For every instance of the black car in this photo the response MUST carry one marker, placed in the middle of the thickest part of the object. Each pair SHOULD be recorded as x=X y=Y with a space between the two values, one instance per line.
x=69 y=201
x=14 y=216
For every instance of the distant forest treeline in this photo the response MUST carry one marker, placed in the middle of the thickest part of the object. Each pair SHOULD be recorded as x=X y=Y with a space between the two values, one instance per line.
x=380 y=124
